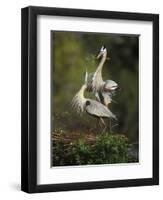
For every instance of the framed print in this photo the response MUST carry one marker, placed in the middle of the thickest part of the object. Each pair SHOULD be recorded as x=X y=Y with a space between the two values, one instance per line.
x=90 y=99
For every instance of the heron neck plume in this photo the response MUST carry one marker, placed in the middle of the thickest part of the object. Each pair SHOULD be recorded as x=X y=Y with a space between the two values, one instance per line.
x=81 y=91
x=79 y=99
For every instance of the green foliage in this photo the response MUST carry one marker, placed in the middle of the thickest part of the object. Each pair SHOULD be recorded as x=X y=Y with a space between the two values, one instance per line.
x=102 y=149
x=77 y=143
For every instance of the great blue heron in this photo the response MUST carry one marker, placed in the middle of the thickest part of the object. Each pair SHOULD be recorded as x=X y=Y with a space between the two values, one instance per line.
x=90 y=106
x=103 y=89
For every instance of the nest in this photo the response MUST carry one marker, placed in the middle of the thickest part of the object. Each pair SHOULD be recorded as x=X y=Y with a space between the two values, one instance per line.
x=72 y=137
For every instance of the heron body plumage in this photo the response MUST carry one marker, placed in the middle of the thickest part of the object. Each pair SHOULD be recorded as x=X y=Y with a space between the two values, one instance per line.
x=105 y=97
x=97 y=109
x=92 y=107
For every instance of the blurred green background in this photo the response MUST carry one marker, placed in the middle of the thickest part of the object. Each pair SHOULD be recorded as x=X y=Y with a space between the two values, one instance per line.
x=72 y=52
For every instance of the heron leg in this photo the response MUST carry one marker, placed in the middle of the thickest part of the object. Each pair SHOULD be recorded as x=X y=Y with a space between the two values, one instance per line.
x=97 y=124
x=111 y=126
x=100 y=124
x=103 y=122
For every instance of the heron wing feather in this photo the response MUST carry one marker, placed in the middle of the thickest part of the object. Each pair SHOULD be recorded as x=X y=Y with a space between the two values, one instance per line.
x=99 y=110
x=107 y=97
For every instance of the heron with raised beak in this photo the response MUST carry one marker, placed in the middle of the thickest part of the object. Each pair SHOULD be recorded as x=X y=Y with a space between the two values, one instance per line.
x=103 y=89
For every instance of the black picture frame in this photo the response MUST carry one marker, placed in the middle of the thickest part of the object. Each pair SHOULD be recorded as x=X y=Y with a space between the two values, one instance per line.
x=29 y=99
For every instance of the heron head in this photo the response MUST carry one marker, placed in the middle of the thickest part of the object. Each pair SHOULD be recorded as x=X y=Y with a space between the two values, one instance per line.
x=102 y=52
x=110 y=86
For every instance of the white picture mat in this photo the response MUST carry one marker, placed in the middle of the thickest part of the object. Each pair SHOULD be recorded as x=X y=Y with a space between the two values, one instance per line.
x=143 y=169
